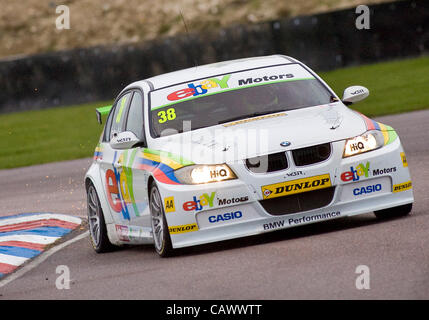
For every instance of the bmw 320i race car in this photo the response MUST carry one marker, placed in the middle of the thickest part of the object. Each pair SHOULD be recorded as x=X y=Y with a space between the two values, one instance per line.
x=234 y=149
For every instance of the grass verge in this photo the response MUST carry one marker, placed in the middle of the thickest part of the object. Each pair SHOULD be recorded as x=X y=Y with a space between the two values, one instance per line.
x=35 y=137
x=50 y=135
x=395 y=87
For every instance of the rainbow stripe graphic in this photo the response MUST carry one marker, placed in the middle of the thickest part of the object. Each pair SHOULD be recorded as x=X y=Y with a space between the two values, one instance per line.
x=388 y=132
x=161 y=164
x=98 y=153
x=25 y=236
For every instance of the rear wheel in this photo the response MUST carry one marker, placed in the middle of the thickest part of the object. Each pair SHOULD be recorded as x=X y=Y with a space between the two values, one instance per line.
x=97 y=226
x=394 y=212
x=161 y=236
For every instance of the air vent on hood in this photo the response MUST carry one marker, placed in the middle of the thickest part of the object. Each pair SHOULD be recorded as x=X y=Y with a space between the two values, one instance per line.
x=311 y=155
x=269 y=163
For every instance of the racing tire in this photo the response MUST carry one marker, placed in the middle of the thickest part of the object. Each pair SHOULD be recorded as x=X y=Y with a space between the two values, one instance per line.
x=395 y=212
x=96 y=223
x=161 y=235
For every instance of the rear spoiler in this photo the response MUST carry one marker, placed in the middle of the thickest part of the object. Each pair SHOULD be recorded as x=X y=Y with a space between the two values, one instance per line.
x=102 y=111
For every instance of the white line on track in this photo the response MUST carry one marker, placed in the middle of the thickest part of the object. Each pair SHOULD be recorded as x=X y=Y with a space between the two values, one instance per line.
x=40 y=258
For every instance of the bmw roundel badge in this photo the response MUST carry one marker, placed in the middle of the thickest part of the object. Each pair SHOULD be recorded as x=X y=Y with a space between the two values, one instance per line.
x=285 y=144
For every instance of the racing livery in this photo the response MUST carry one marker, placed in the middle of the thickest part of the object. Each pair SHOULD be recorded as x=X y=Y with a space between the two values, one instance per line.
x=238 y=148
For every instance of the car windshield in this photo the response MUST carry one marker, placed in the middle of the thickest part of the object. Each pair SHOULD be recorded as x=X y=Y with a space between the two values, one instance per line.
x=235 y=96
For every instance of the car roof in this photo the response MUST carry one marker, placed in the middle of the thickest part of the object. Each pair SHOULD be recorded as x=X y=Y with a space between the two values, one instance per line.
x=213 y=69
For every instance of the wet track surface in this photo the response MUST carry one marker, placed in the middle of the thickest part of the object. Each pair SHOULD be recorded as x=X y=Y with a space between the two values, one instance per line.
x=317 y=261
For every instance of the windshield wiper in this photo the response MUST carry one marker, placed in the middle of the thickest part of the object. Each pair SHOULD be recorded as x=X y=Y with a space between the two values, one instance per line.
x=255 y=114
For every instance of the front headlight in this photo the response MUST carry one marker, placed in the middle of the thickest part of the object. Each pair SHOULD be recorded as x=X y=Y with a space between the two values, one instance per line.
x=369 y=141
x=199 y=174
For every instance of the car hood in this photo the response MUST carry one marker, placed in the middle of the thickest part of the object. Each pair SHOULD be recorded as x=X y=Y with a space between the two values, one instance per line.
x=235 y=141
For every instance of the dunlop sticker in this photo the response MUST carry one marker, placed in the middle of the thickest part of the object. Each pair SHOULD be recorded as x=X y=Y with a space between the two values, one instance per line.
x=402 y=186
x=296 y=186
x=183 y=229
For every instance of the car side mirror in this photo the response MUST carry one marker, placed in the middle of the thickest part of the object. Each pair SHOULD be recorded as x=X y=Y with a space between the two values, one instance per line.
x=124 y=140
x=354 y=94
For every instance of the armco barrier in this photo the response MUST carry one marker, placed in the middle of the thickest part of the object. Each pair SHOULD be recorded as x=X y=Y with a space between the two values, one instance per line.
x=324 y=41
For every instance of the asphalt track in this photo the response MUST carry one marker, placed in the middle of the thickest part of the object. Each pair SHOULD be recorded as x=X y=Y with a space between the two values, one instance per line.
x=317 y=261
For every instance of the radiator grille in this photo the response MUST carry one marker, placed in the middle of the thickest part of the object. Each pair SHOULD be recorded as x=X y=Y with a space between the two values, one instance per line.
x=311 y=155
x=298 y=202
x=264 y=164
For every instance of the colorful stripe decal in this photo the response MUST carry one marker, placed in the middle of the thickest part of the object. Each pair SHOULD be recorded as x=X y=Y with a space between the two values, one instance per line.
x=160 y=171
x=368 y=122
x=98 y=153
x=388 y=132
x=168 y=162
x=165 y=157
x=385 y=133
x=129 y=176
x=161 y=164
x=392 y=134
x=25 y=236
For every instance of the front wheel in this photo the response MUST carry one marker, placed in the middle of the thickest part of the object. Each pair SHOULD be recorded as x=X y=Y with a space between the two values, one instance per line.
x=97 y=226
x=161 y=235
x=394 y=212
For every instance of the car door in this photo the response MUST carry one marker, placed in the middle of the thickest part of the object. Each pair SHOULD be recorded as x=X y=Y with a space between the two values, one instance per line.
x=111 y=162
x=134 y=179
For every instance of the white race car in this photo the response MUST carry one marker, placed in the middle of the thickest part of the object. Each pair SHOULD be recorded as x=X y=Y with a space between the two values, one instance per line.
x=234 y=149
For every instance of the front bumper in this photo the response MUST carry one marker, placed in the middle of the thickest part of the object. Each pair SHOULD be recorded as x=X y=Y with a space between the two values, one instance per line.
x=198 y=214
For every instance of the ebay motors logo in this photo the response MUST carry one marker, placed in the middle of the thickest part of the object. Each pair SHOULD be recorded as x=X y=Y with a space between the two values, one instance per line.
x=203 y=87
x=198 y=204
x=355 y=174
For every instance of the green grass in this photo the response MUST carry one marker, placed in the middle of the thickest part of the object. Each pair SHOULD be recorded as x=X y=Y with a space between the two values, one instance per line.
x=56 y=134
x=34 y=137
x=395 y=87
